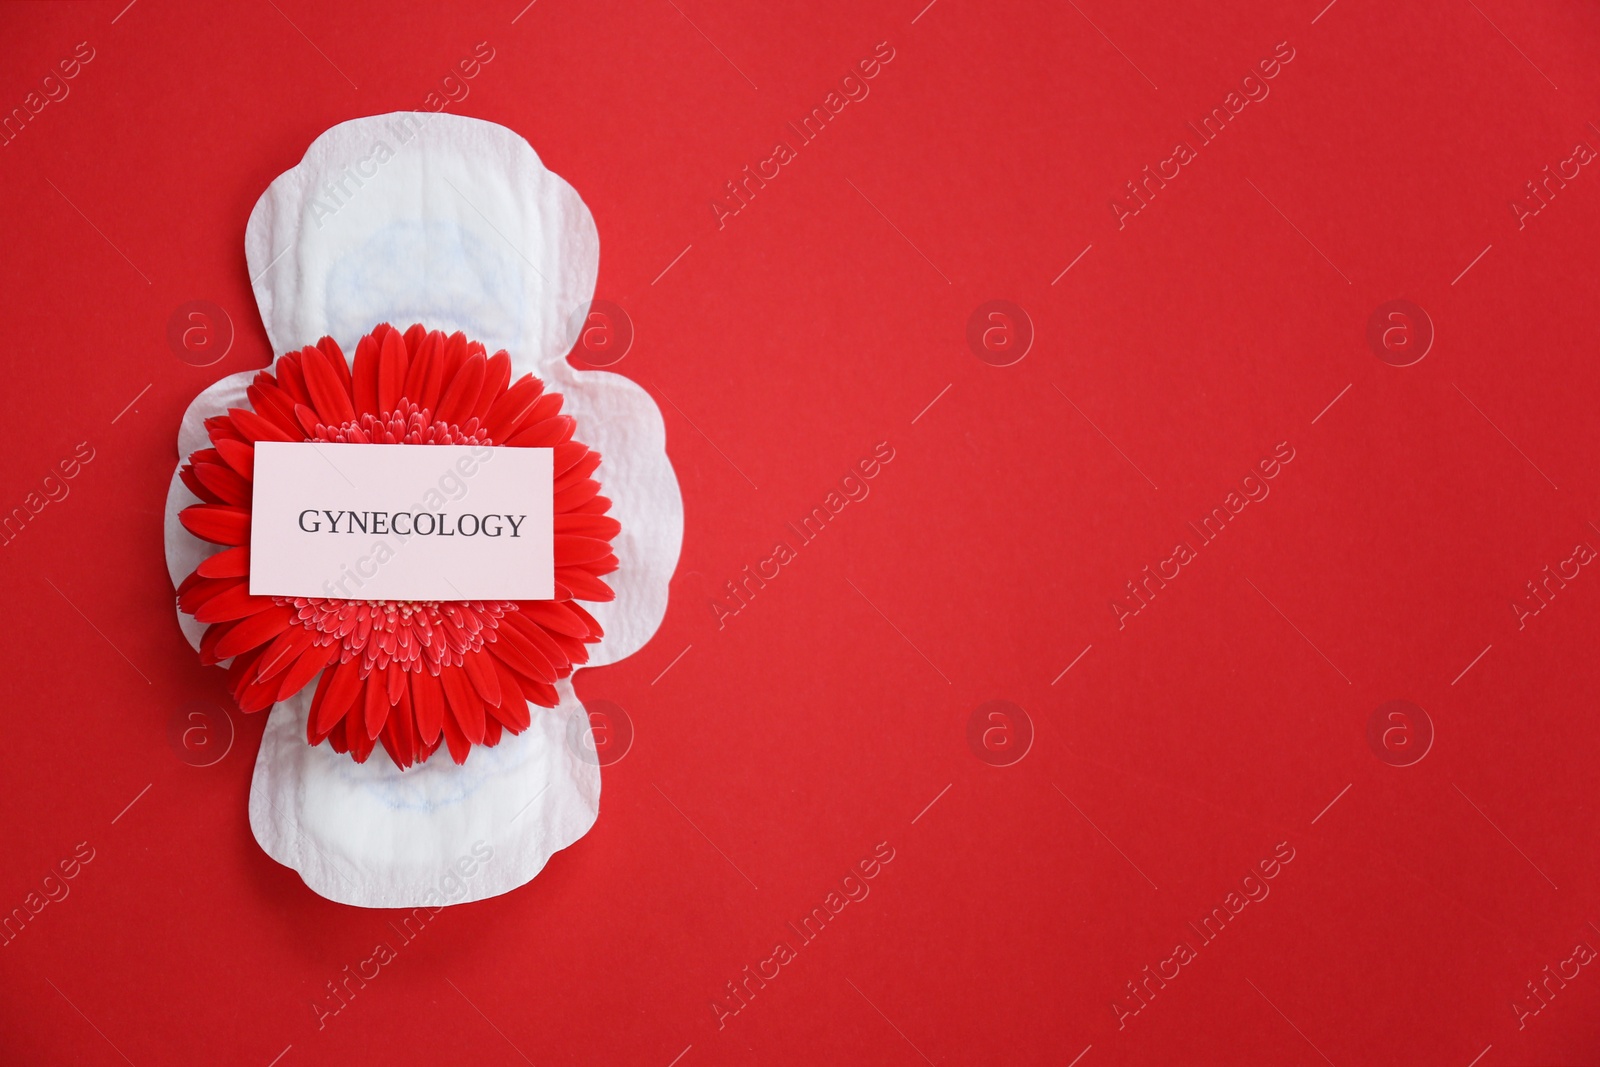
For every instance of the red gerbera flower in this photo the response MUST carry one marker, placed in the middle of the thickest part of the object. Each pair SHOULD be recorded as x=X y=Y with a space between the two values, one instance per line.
x=407 y=674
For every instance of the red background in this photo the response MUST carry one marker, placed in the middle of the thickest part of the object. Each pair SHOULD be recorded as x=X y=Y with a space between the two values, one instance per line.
x=824 y=717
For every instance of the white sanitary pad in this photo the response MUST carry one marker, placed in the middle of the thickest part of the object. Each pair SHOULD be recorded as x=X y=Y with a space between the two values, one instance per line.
x=455 y=223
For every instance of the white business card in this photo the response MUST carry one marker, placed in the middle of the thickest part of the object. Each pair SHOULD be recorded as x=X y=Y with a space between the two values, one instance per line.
x=402 y=522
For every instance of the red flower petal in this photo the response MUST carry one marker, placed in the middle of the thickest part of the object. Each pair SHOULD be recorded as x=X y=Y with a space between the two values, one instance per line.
x=337 y=698
x=375 y=707
x=217 y=523
x=250 y=695
x=240 y=456
x=396 y=684
x=239 y=672
x=521 y=656
x=328 y=395
x=574 y=463
x=595 y=505
x=253 y=427
x=335 y=357
x=209 y=640
x=308 y=419
x=480 y=669
x=311 y=661
x=573 y=549
x=364 y=379
x=229 y=563
x=421 y=365
x=595 y=631
x=518 y=624
x=437 y=355
x=513 y=707
x=577 y=652
x=458 y=401
x=452 y=355
x=557 y=616
x=456 y=740
x=285 y=650
x=321 y=694
x=427 y=698
x=192 y=482
x=587 y=525
x=257 y=696
x=539 y=693
x=413 y=337
x=275 y=404
x=220 y=427
x=197 y=589
x=225 y=483
x=393 y=359
x=292 y=381
x=355 y=735
x=465 y=705
x=496 y=376
x=261 y=626
x=547 y=407
x=546 y=433
x=506 y=414
x=570 y=498
x=399 y=736
x=235 y=602
x=584 y=586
